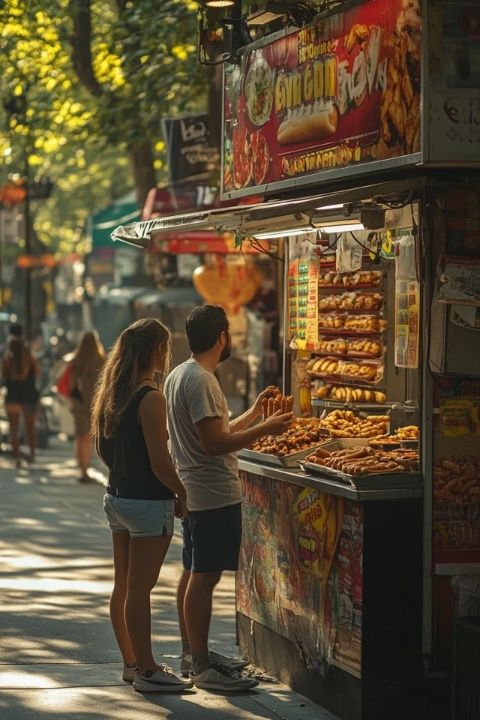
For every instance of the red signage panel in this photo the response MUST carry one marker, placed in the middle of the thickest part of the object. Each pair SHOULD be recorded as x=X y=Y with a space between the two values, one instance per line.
x=342 y=92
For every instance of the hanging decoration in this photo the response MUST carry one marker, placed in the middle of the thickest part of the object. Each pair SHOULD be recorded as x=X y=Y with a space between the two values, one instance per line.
x=228 y=284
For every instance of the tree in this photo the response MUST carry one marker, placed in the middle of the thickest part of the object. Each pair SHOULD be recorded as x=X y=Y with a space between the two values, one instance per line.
x=98 y=76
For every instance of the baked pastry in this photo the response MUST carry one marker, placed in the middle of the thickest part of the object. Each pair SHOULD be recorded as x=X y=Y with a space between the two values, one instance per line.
x=331 y=321
x=365 y=346
x=369 y=323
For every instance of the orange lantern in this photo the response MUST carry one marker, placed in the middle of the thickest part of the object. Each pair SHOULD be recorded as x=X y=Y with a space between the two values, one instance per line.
x=230 y=285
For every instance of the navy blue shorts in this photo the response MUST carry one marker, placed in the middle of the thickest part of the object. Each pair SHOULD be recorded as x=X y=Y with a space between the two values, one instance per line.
x=211 y=539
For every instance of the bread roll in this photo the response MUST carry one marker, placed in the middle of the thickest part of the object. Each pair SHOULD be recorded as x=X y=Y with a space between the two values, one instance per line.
x=309 y=122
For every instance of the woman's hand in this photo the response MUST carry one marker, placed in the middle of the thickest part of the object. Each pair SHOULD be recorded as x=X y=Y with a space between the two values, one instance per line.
x=181 y=510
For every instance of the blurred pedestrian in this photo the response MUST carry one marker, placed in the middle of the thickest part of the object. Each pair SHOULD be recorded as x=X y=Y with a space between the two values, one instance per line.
x=86 y=364
x=129 y=424
x=20 y=371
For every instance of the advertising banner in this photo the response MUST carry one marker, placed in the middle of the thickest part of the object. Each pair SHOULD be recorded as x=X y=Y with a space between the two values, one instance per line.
x=190 y=153
x=300 y=571
x=337 y=94
x=454 y=82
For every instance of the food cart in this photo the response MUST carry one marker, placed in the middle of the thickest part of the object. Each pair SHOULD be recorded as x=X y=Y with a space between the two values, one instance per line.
x=361 y=131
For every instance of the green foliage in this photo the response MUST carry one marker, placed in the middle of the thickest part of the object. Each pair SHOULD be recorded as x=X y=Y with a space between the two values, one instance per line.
x=98 y=76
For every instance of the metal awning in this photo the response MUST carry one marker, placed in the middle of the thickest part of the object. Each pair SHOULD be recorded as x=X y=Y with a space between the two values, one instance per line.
x=263 y=217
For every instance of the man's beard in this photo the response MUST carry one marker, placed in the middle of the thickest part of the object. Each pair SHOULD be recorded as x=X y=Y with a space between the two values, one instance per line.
x=227 y=350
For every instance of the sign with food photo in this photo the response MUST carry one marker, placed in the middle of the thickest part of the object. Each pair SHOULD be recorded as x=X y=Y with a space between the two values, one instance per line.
x=342 y=92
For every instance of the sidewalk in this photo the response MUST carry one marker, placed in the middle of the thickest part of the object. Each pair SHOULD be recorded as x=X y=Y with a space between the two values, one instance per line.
x=58 y=657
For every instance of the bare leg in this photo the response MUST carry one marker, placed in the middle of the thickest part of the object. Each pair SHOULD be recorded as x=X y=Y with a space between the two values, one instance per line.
x=30 y=418
x=121 y=542
x=83 y=452
x=146 y=557
x=198 y=610
x=181 y=592
x=14 y=425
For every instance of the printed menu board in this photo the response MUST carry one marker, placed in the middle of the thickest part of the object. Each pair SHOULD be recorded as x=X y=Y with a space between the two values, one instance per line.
x=341 y=92
x=303 y=303
x=407 y=323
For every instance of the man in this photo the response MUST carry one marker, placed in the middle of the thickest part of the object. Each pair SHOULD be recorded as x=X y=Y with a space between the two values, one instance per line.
x=204 y=444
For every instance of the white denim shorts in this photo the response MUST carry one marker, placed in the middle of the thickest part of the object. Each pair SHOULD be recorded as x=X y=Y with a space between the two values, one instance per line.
x=140 y=518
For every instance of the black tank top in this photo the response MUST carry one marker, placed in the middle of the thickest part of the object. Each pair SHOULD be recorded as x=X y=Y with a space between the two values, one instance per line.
x=22 y=392
x=126 y=455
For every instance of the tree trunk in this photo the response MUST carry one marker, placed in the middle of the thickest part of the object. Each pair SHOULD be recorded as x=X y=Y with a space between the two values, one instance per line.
x=141 y=158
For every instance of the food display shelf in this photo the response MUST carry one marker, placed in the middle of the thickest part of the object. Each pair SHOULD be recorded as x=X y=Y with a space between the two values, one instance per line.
x=351 y=333
x=376 y=312
x=347 y=380
x=305 y=478
x=339 y=405
x=351 y=288
x=346 y=355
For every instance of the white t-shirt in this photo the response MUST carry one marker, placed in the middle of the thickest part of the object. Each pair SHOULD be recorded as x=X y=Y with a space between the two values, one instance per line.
x=192 y=394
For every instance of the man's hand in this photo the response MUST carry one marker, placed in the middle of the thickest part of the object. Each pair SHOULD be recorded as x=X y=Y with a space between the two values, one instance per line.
x=278 y=423
x=257 y=406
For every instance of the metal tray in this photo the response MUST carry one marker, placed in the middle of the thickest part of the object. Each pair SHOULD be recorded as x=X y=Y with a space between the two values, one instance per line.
x=410 y=444
x=366 y=482
x=292 y=460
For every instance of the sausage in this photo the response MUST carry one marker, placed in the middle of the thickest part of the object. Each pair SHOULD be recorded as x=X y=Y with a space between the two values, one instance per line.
x=265 y=408
x=270 y=409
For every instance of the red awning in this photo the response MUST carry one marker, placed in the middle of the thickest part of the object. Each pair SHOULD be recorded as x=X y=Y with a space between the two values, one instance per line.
x=197 y=243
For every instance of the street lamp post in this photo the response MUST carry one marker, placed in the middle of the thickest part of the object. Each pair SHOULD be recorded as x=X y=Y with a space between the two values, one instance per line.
x=28 y=248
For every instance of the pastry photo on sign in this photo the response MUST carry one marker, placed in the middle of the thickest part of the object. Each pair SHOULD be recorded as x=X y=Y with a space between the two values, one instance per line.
x=308 y=122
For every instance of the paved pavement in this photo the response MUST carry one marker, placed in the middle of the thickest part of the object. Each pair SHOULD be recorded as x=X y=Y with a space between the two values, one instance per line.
x=58 y=658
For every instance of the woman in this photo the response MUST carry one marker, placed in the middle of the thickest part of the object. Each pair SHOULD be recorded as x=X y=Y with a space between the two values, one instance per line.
x=130 y=428
x=86 y=364
x=20 y=370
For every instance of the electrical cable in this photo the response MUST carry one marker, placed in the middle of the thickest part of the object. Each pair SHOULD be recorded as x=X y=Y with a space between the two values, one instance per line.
x=256 y=245
x=396 y=204
x=370 y=251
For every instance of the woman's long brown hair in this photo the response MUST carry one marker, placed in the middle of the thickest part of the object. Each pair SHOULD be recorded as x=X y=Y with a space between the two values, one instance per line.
x=17 y=357
x=89 y=353
x=130 y=357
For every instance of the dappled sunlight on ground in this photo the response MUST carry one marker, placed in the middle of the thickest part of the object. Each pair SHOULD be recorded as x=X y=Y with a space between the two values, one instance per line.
x=56 y=574
x=58 y=656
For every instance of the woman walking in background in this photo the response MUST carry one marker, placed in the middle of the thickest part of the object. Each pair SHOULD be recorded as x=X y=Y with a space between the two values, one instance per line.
x=85 y=368
x=20 y=371
x=130 y=426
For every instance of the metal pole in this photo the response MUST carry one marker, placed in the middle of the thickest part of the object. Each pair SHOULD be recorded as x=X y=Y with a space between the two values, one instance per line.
x=1 y=259
x=28 y=250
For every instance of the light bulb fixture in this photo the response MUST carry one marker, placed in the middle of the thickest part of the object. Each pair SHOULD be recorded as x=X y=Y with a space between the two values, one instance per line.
x=342 y=227
x=272 y=234
x=222 y=31
x=329 y=207
x=297 y=13
x=219 y=3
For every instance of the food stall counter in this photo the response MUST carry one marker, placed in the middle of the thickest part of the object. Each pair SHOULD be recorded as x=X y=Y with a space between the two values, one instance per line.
x=412 y=489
